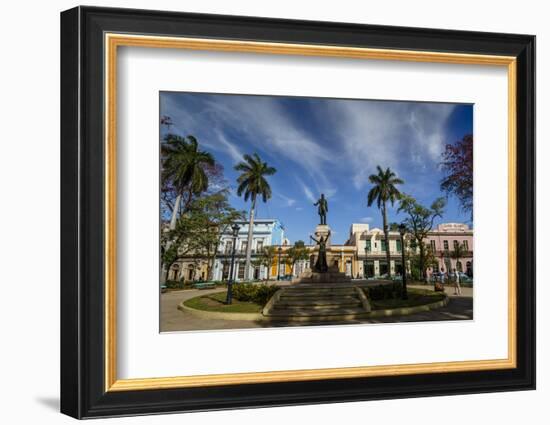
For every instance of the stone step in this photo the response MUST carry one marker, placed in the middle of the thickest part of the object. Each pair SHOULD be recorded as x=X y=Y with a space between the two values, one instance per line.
x=316 y=312
x=351 y=302
x=319 y=293
x=320 y=287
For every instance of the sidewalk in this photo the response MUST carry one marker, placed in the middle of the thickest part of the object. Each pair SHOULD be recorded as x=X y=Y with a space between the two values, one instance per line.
x=172 y=319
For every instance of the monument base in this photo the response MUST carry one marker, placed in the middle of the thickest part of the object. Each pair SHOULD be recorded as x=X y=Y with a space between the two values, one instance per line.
x=331 y=276
x=324 y=231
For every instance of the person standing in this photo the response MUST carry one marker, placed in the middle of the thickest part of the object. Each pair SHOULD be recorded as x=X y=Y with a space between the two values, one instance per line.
x=457 y=282
x=439 y=286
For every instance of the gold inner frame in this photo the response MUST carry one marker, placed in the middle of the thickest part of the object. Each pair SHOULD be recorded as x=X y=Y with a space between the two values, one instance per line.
x=113 y=41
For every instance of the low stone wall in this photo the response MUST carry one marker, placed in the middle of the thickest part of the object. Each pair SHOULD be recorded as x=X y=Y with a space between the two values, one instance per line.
x=373 y=314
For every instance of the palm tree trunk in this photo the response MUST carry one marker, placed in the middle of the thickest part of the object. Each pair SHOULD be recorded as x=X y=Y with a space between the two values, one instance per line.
x=249 y=240
x=174 y=217
x=387 y=236
x=173 y=220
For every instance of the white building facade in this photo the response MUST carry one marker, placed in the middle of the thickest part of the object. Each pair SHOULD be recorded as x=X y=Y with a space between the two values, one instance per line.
x=266 y=232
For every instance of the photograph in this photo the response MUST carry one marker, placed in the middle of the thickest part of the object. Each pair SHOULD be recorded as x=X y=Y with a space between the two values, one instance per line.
x=282 y=211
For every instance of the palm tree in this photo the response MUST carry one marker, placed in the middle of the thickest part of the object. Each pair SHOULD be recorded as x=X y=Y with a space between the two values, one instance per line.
x=252 y=183
x=184 y=167
x=457 y=253
x=384 y=190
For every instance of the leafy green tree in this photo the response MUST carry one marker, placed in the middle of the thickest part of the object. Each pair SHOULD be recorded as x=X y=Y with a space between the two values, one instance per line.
x=213 y=216
x=415 y=259
x=296 y=253
x=266 y=259
x=253 y=183
x=169 y=256
x=384 y=190
x=184 y=168
x=198 y=232
x=458 y=252
x=419 y=222
x=184 y=172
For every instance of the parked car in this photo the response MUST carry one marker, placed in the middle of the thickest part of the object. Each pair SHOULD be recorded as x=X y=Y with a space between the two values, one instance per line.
x=449 y=278
x=464 y=278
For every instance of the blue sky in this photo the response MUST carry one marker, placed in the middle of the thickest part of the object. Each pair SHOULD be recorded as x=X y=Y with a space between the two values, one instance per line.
x=328 y=146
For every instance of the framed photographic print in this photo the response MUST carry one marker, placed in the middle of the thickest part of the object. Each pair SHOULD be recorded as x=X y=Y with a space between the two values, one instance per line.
x=261 y=212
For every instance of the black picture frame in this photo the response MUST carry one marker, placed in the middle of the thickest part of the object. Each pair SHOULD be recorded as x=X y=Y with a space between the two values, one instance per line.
x=83 y=392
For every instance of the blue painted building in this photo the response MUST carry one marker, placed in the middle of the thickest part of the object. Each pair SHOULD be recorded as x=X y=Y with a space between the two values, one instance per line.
x=266 y=232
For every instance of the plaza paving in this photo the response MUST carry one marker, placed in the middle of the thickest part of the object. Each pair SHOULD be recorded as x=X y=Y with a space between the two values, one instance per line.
x=172 y=319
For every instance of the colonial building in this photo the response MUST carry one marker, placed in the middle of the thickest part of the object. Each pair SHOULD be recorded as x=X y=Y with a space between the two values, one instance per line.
x=370 y=248
x=362 y=256
x=266 y=232
x=370 y=251
x=443 y=242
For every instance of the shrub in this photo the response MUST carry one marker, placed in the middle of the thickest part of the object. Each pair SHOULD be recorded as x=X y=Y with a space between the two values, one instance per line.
x=175 y=284
x=249 y=292
x=384 y=292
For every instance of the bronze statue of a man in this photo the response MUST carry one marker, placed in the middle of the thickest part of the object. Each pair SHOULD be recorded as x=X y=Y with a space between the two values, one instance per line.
x=322 y=208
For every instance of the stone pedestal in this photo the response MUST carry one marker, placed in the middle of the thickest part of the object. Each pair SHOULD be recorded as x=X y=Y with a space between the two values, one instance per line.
x=322 y=230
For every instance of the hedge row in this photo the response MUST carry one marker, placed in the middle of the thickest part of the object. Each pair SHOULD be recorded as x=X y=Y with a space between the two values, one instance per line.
x=256 y=293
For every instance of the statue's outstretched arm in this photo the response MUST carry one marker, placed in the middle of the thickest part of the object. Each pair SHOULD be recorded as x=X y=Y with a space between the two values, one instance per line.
x=312 y=238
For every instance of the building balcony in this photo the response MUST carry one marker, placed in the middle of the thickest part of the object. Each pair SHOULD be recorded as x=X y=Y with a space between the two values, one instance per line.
x=449 y=254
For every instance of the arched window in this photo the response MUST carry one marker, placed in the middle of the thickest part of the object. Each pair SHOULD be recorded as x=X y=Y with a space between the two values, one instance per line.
x=174 y=270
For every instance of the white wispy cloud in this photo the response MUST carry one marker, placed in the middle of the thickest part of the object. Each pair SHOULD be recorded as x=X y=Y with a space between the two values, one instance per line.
x=349 y=138
x=289 y=202
x=307 y=192
x=269 y=127
x=230 y=148
x=387 y=134
x=366 y=219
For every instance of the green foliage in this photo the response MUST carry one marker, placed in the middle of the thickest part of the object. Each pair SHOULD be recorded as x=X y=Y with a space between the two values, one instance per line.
x=419 y=222
x=384 y=187
x=170 y=255
x=415 y=297
x=383 y=190
x=184 y=164
x=416 y=261
x=199 y=230
x=250 y=292
x=266 y=258
x=458 y=252
x=252 y=181
x=384 y=292
x=175 y=284
x=296 y=253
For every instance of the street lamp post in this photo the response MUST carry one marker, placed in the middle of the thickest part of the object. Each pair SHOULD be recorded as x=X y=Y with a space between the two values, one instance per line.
x=235 y=228
x=279 y=264
x=402 y=230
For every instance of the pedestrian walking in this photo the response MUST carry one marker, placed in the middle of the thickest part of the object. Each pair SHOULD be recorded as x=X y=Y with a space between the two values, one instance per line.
x=457 y=282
